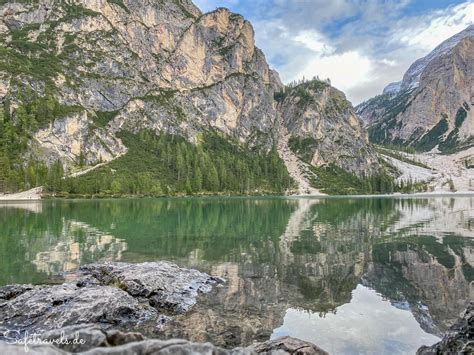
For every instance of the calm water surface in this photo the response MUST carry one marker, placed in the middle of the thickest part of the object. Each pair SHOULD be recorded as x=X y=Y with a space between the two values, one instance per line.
x=353 y=275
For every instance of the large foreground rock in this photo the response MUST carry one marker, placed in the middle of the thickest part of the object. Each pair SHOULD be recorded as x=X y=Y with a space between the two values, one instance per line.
x=115 y=295
x=99 y=341
x=94 y=309
x=459 y=339
x=168 y=287
x=41 y=308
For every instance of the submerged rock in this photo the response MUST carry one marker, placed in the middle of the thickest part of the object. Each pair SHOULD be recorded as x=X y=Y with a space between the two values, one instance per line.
x=459 y=339
x=118 y=295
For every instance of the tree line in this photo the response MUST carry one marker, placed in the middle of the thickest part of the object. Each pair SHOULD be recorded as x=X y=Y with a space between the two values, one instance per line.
x=169 y=164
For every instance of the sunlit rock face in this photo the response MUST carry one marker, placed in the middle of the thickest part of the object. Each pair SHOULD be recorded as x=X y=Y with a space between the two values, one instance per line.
x=432 y=106
x=71 y=138
x=321 y=115
x=162 y=66
x=165 y=67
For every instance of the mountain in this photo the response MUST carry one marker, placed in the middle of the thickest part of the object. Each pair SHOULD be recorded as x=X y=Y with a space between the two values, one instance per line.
x=318 y=116
x=431 y=107
x=148 y=96
x=392 y=88
x=412 y=77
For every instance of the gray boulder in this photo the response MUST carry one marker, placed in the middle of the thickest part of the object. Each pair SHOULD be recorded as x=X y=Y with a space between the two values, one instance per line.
x=168 y=287
x=117 y=295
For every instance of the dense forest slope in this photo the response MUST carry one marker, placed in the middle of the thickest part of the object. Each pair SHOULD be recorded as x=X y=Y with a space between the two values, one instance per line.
x=432 y=106
x=154 y=97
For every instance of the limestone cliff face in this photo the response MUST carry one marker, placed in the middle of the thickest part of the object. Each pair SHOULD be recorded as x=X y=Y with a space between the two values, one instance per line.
x=319 y=114
x=433 y=107
x=71 y=137
x=158 y=65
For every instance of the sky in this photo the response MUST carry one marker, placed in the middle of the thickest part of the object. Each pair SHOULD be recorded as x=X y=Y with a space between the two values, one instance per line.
x=361 y=45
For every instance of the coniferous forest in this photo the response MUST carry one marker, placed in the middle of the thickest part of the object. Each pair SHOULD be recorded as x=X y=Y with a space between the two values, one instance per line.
x=170 y=165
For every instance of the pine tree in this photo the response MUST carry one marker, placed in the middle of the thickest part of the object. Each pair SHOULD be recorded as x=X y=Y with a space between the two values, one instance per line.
x=82 y=159
x=4 y=172
x=187 y=186
x=197 y=180
x=180 y=164
x=116 y=187
x=213 y=178
x=55 y=176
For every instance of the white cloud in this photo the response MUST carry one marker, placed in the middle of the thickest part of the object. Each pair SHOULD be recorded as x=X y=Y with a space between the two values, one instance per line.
x=373 y=45
x=364 y=56
x=372 y=325
x=314 y=41
x=390 y=63
x=346 y=70
x=432 y=30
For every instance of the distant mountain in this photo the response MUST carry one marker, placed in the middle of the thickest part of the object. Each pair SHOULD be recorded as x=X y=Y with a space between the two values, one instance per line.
x=412 y=77
x=432 y=106
x=324 y=127
x=392 y=88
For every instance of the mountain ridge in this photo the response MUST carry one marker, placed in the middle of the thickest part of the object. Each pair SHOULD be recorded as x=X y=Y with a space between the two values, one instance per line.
x=105 y=67
x=432 y=108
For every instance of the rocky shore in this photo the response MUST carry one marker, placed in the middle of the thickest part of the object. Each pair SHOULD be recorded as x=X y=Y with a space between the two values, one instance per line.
x=118 y=295
x=30 y=195
x=120 y=308
x=108 y=308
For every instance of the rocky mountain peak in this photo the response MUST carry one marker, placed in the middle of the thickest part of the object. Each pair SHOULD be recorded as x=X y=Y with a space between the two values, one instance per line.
x=411 y=79
x=320 y=116
x=392 y=88
x=433 y=108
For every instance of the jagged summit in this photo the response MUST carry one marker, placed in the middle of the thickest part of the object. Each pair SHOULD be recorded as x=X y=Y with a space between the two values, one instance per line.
x=411 y=78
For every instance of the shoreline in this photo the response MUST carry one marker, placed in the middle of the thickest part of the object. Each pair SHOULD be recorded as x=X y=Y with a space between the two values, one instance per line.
x=36 y=194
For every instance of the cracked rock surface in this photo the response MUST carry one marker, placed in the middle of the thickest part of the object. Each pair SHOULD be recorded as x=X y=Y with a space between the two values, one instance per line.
x=459 y=339
x=118 y=295
x=99 y=341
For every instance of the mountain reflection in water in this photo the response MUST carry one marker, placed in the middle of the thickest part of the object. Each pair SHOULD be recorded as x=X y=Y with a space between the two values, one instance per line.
x=310 y=268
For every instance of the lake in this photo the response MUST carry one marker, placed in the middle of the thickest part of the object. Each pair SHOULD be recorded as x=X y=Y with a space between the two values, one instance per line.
x=353 y=275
